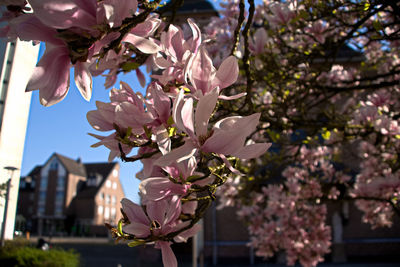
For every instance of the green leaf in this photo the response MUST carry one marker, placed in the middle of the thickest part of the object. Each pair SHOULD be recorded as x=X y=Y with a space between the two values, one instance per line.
x=119 y=227
x=367 y=5
x=170 y=120
x=135 y=243
x=326 y=134
x=274 y=136
x=147 y=131
x=377 y=25
x=128 y=66
x=171 y=131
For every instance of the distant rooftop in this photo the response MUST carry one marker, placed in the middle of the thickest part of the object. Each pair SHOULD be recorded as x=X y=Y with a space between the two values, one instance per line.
x=191 y=7
x=82 y=169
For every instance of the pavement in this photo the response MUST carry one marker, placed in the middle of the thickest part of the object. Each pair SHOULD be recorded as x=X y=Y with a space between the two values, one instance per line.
x=103 y=252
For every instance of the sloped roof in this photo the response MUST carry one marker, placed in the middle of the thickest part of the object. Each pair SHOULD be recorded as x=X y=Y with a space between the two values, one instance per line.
x=72 y=166
x=82 y=169
x=104 y=169
x=192 y=7
x=35 y=171
x=345 y=54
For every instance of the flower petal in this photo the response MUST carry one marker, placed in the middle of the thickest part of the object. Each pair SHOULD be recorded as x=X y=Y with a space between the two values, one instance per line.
x=65 y=14
x=83 y=80
x=252 y=151
x=204 y=109
x=144 y=45
x=134 y=212
x=177 y=155
x=137 y=229
x=183 y=237
x=227 y=73
x=168 y=256
x=196 y=38
x=51 y=76
x=157 y=210
x=98 y=122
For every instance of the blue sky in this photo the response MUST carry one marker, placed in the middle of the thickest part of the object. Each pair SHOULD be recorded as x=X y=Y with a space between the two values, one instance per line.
x=63 y=128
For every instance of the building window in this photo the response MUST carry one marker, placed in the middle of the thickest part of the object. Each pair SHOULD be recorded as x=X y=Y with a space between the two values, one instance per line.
x=58 y=211
x=41 y=209
x=107 y=199
x=42 y=197
x=60 y=183
x=108 y=183
x=107 y=213
x=43 y=183
x=54 y=165
x=114 y=185
x=102 y=196
x=100 y=210
x=115 y=173
x=59 y=197
x=113 y=200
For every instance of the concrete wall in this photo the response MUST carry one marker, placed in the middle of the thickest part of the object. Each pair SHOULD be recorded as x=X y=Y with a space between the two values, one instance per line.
x=16 y=70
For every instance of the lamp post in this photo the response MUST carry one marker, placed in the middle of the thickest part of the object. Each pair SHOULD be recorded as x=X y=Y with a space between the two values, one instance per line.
x=3 y=226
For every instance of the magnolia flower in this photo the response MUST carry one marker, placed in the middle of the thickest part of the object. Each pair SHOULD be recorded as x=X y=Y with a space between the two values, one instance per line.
x=204 y=77
x=258 y=42
x=64 y=14
x=160 y=219
x=139 y=36
x=281 y=14
x=115 y=11
x=227 y=137
x=157 y=188
x=176 y=52
x=51 y=75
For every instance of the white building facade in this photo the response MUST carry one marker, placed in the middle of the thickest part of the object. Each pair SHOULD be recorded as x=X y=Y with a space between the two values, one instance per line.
x=17 y=61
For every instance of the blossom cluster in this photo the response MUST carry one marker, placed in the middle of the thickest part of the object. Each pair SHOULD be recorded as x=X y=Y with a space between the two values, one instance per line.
x=318 y=79
x=76 y=34
x=331 y=111
x=184 y=155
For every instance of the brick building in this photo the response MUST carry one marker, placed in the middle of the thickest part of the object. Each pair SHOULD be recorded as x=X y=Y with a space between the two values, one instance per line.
x=66 y=196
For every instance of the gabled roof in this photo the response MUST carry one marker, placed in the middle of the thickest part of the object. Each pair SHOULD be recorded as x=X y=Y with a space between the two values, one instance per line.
x=104 y=169
x=35 y=171
x=192 y=7
x=72 y=166
x=345 y=54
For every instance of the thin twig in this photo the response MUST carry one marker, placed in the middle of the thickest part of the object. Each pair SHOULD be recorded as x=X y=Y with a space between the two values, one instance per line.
x=246 y=56
x=236 y=34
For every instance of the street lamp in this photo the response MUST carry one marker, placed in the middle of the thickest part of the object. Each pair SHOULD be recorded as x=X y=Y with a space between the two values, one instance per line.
x=11 y=170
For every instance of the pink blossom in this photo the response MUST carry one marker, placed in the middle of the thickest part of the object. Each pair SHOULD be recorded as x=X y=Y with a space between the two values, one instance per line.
x=64 y=14
x=227 y=137
x=160 y=218
x=115 y=11
x=203 y=76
